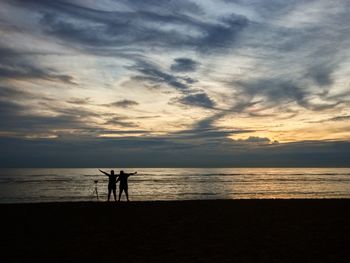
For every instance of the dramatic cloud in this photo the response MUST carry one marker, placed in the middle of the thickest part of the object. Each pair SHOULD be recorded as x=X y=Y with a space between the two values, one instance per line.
x=151 y=152
x=218 y=83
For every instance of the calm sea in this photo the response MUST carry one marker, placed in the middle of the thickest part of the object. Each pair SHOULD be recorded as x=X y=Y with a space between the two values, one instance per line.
x=52 y=185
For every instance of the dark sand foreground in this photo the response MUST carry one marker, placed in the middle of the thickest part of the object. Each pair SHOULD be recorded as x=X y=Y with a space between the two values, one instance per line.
x=187 y=231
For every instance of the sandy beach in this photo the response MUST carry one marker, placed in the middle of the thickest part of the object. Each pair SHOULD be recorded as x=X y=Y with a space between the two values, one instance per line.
x=184 y=231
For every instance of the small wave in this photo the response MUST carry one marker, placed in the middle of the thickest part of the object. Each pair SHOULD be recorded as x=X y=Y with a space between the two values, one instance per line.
x=36 y=180
x=200 y=194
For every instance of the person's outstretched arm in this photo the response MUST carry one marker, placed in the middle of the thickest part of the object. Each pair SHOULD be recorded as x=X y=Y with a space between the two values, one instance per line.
x=103 y=172
x=131 y=173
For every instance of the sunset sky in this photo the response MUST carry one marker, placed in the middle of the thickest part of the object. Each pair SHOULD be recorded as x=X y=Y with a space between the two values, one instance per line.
x=174 y=83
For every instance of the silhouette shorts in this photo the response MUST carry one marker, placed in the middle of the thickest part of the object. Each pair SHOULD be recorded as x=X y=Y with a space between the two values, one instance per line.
x=123 y=187
x=111 y=187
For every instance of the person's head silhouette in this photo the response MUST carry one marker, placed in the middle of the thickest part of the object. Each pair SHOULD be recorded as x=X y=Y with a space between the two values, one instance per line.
x=122 y=172
x=112 y=172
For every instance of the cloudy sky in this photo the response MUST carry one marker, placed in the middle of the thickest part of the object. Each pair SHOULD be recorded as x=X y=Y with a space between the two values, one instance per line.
x=174 y=83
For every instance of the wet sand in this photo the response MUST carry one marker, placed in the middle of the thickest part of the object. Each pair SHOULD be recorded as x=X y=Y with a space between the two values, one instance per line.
x=184 y=231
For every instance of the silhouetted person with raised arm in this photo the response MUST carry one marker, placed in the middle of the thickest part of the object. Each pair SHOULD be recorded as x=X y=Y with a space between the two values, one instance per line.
x=123 y=185
x=112 y=182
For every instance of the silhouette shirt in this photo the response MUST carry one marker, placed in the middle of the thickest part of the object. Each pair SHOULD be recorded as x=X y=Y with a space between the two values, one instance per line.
x=123 y=178
x=112 y=179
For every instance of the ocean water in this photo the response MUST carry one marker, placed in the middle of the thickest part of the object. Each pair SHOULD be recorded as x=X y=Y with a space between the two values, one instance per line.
x=54 y=185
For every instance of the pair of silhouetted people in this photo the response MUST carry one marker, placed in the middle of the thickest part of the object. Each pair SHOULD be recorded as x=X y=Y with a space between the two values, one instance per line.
x=112 y=183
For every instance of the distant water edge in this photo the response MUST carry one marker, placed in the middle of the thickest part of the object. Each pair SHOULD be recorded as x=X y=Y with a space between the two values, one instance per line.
x=55 y=185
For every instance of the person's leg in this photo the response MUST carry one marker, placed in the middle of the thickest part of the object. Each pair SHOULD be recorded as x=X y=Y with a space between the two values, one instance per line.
x=127 y=194
x=114 y=194
x=109 y=194
x=120 y=193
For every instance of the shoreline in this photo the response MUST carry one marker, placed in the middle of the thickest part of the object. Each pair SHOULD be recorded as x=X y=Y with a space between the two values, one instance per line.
x=150 y=202
x=249 y=230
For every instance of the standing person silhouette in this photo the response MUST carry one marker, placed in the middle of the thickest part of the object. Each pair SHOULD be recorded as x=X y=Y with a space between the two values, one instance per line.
x=112 y=181
x=123 y=185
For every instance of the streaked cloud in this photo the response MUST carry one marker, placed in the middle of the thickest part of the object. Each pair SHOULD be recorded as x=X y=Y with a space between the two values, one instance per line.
x=235 y=78
x=184 y=65
x=197 y=100
x=124 y=103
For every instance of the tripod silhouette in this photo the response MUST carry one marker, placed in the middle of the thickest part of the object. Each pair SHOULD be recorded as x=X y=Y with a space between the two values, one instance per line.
x=95 y=191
